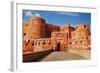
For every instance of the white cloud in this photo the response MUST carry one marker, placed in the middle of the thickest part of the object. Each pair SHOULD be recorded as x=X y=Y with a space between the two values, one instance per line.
x=37 y=14
x=30 y=13
x=69 y=13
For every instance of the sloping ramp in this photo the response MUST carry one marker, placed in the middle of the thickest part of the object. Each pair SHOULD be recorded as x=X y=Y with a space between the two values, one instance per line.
x=60 y=56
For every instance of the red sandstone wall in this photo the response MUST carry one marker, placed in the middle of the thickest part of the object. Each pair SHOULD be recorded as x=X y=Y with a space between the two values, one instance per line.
x=35 y=28
x=42 y=44
x=68 y=29
x=37 y=31
x=51 y=28
x=59 y=37
x=80 y=38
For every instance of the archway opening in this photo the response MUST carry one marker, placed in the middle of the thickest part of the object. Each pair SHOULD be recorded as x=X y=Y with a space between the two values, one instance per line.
x=58 y=46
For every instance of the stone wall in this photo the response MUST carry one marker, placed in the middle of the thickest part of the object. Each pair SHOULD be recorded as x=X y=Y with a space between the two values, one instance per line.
x=38 y=31
x=40 y=36
x=61 y=38
x=35 y=56
x=51 y=28
x=42 y=44
x=81 y=38
x=34 y=29
x=36 y=45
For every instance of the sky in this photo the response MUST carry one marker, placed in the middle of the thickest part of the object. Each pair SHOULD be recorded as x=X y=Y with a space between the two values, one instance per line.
x=59 y=18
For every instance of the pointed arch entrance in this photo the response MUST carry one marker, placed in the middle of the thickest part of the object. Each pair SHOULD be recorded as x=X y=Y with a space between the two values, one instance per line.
x=58 y=46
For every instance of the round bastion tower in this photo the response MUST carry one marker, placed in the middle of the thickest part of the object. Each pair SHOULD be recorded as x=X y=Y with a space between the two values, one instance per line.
x=37 y=27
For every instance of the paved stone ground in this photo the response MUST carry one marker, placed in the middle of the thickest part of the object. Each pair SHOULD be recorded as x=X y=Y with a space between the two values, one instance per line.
x=60 y=56
x=83 y=53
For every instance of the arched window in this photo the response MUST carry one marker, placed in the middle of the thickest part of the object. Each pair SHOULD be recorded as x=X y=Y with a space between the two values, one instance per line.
x=39 y=43
x=76 y=42
x=81 y=41
x=44 y=43
x=24 y=34
x=26 y=25
x=32 y=43
x=28 y=41
x=35 y=43
x=84 y=26
x=26 y=44
x=70 y=43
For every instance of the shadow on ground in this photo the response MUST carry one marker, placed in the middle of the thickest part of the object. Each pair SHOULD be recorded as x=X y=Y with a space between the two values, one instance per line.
x=37 y=56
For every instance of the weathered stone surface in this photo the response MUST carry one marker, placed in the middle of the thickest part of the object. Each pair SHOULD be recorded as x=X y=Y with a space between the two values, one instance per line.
x=40 y=36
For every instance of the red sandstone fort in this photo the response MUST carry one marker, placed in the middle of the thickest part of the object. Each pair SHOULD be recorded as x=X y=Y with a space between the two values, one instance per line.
x=41 y=36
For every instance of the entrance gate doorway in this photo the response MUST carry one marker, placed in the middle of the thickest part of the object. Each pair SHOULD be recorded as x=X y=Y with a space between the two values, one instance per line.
x=58 y=46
